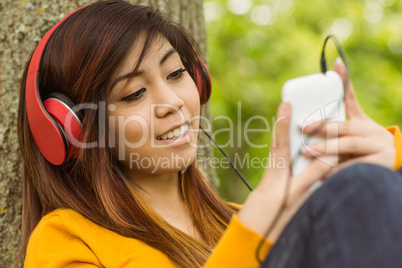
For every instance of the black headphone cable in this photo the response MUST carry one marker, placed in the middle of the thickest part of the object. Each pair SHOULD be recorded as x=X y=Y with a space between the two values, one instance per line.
x=228 y=158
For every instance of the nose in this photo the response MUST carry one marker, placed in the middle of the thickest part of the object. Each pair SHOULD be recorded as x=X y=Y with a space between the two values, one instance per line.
x=168 y=102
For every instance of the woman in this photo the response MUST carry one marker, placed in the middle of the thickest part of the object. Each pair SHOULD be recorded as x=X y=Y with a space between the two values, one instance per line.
x=128 y=193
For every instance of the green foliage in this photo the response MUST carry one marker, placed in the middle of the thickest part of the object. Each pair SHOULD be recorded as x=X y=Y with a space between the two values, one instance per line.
x=253 y=53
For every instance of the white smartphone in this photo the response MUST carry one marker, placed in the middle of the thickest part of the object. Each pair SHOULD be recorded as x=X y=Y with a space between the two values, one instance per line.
x=313 y=98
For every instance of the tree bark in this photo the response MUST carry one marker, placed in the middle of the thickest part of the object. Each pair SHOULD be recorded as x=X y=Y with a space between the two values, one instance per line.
x=23 y=23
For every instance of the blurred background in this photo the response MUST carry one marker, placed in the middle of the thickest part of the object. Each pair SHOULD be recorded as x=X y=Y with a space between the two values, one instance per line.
x=254 y=46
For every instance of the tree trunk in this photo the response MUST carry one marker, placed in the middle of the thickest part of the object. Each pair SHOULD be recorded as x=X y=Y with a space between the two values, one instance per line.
x=23 y=23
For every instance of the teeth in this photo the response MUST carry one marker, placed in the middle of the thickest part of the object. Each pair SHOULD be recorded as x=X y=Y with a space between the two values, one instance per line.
x=175 y=133
x=183 y=130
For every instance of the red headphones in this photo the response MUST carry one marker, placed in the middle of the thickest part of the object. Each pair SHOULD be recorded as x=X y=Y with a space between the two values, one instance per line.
x=54 y=125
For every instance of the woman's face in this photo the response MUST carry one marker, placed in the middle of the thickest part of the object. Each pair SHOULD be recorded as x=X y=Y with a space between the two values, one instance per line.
x=153 y=117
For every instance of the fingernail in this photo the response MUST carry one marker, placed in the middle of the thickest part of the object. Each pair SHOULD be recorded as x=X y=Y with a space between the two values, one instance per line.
x=338 y=60
x=308 y=122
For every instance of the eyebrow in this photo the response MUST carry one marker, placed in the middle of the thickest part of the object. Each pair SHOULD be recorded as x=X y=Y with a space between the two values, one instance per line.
x=123 y=77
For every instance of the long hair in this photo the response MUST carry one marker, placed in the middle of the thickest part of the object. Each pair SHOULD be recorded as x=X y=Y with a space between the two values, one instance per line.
x=79 y=61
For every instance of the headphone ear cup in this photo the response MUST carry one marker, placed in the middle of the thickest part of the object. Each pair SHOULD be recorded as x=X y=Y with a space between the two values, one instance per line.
x=204 y=81
x=61 y=108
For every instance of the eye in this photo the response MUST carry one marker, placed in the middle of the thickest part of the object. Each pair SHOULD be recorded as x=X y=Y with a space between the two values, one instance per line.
x=134 y=96
x=176 y=74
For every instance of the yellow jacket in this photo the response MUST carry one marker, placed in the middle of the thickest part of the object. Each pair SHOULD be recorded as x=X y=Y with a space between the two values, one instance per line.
x=65 y=238
x=398 y=145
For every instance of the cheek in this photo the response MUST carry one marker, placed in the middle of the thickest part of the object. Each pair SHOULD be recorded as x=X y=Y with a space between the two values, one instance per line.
x=136 y=130
x=197 y=102
x=193 y=104
x=130 y=131
x=192 y=99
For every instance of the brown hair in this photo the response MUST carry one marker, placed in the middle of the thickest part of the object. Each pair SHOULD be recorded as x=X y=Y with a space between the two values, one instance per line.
x=79 y=61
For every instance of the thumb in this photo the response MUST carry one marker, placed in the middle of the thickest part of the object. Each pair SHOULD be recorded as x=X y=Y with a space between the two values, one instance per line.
x=280 y=147
x=353 y=108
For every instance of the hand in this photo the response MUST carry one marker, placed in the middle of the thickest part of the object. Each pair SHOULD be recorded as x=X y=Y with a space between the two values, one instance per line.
x=265 y=201
x=360 y=139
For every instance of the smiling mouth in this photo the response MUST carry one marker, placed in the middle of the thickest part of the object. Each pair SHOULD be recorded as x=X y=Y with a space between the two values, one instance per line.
x=175 y=133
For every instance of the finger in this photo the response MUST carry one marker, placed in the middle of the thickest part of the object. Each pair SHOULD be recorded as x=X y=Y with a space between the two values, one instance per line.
x=324 y=128
x=348 y=145
x=280 y=139
x=352 y=106
x=280 y=142
x=335 y=128
x=341 y=69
